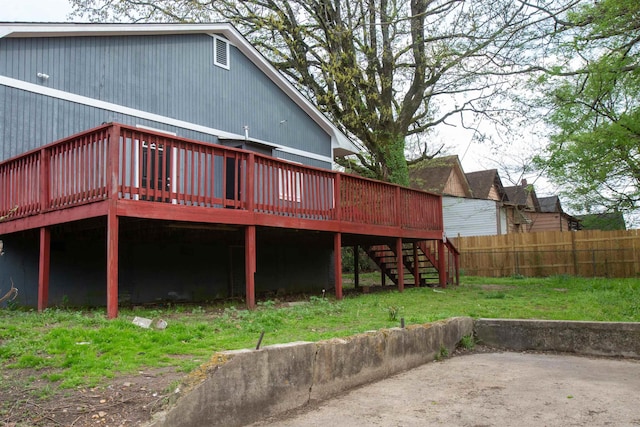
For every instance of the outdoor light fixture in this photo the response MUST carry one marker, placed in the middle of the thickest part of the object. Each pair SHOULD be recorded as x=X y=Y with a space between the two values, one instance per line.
x=43 y=76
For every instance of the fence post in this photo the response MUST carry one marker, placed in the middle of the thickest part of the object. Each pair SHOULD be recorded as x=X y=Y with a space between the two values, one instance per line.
x=574 y=253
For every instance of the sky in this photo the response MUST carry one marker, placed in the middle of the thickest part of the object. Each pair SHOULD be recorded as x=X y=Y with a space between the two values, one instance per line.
x=34 y=10
x=473 y=155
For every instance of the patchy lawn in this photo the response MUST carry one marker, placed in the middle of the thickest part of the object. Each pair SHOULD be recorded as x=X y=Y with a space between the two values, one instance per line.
x=76 y=368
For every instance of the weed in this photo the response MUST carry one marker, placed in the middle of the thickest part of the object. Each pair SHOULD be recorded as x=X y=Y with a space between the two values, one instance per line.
x=468 y=342
x=443 y=353
x=394 y=311
x=266 y=304
x=496 y=295
x=43 y=392
x=13 y=305
x=197 y=310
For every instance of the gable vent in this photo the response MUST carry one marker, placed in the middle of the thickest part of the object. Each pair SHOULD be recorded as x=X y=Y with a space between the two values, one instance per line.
x=221 y=52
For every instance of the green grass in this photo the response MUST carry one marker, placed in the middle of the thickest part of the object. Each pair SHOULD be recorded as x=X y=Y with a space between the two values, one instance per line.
x=81 y=348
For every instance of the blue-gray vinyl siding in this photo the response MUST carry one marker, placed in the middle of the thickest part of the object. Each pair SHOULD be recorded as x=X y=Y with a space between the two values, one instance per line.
x=55 y=119
x=301 y=159
x=168 y=75
x=471 y=217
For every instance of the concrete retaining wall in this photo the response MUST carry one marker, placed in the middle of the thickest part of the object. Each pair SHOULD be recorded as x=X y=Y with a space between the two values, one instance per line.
x=585 y=338
x=239 y=387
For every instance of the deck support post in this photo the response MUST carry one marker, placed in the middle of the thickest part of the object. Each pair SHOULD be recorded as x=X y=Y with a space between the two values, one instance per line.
x=356 y=267
x=250 y=265
x=44 y=267
x=112 y=264
x=416 y=266
x=337 y=255
x=442 y=264
x=112 y=221
x=400 y=264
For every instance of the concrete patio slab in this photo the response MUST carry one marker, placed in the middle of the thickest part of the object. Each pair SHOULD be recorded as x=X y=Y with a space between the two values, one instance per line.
x=488 y=389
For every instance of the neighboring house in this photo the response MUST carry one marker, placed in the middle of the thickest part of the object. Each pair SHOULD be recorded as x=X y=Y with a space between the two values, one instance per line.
x=464 y=212
x=185 y=167
x=603 y=221
x=486 y=185
x=524 y=200
x=551 y=217
x=440 y=175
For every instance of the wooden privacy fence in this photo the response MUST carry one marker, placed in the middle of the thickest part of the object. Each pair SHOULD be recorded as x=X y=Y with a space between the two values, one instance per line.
x=589 y=253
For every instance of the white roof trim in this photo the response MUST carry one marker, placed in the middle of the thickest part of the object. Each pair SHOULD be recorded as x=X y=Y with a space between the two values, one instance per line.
x=339 y=141
x=84 y=100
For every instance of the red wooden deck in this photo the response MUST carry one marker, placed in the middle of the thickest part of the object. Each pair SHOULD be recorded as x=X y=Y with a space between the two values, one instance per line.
x=119 y=171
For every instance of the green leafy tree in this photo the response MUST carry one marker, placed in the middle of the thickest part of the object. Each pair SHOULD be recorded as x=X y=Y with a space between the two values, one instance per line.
x=594 y=154
x=386 y=71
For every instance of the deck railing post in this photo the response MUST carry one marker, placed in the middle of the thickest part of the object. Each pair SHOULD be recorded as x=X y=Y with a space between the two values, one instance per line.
x=45 y=167
x=337 y=196
x=398 y=219
x=251 y=182
x=113 y=153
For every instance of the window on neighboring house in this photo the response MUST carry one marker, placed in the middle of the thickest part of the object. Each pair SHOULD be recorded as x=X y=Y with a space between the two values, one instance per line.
x=290 y=185
x=221 y=52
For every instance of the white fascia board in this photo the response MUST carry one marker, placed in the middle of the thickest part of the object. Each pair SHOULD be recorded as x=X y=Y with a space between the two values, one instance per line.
x=340 y=143
x=84 y=100
x=39 y=29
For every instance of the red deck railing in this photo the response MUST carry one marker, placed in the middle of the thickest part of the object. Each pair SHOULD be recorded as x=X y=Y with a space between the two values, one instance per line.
x=155 y=167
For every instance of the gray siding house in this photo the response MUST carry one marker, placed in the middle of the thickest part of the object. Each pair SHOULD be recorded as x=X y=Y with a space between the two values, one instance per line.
x=154 y=162
x=465 y=217
x=203 y=82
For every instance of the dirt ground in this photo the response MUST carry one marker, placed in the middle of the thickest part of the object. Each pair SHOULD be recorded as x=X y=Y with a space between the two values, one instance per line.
x=483 y=387
x=122 y=401
x=489 y=389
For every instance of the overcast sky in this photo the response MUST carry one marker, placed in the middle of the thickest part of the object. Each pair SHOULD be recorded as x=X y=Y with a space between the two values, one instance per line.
x=34 y=10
